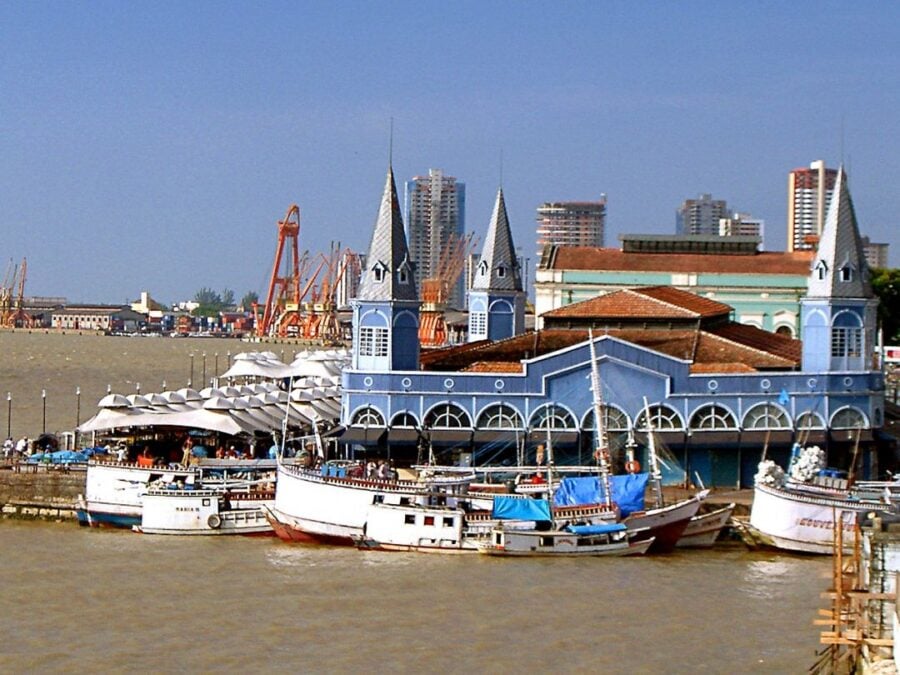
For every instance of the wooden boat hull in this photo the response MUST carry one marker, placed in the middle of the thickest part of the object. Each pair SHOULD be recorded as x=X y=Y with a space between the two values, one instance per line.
x=704 y=529
x=627 y=549
x=666 y=525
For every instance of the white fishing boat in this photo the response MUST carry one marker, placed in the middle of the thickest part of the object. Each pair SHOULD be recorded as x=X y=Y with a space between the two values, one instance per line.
x=331 y=505
x=114 y=493
x=205 y=512
x=799 y=511
x=704 y=529
x=586 y=540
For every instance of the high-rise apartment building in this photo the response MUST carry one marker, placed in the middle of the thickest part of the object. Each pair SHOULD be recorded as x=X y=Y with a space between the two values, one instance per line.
x=809 y=192
x=742 y=225
x=435 y=215
x=571 y=224
x=701 y=215
x=876 y=254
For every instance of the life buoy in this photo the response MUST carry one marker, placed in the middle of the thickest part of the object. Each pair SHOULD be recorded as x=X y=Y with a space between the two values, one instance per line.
x=214 y=521
x=633 y=466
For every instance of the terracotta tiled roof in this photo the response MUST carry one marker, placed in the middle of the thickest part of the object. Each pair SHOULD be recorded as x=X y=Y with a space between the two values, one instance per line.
x=751 y=336
x=723 y=351
x=767 y=262
x=655 y=302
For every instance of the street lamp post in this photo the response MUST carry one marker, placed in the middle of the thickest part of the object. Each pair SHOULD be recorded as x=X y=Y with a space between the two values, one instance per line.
x=217 y=363
x=9 y=414
x=44 y=414
x=77 y=413
x=204 y=369
x=191 y=380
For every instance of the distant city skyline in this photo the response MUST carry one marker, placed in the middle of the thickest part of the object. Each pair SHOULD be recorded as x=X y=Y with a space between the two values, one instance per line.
x=154 y=147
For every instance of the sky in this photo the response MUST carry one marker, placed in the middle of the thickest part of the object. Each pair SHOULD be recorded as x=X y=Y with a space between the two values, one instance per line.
x=154 y=146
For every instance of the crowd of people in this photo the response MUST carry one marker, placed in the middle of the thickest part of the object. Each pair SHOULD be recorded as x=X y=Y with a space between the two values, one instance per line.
x=23 y=448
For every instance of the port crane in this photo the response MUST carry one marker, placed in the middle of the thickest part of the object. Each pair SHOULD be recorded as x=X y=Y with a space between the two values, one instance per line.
x=436 y=289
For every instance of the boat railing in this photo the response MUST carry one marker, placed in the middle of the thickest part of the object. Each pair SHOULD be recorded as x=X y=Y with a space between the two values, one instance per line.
x=424 y=484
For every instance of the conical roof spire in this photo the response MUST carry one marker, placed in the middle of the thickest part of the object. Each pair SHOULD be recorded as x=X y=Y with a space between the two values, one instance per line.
x=498 y=269
x=839 y=269
x=388 y=274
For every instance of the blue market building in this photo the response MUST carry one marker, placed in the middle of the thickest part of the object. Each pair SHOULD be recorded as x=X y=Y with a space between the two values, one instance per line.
x=718 y=393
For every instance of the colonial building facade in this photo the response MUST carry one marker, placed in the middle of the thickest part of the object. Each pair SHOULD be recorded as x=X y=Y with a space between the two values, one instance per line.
x=717 y=392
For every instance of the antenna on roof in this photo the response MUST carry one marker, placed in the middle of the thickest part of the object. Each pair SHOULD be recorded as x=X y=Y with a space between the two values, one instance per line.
x=842 y=140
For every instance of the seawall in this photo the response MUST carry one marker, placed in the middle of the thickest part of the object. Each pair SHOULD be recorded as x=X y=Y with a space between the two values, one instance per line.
x=39 y=492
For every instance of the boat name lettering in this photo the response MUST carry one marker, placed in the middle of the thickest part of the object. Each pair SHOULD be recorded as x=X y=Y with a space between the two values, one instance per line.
x=187 y=508
x=826 y=524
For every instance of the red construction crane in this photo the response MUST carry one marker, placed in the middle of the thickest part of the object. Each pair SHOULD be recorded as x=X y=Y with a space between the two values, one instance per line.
x=284 y=285
x=435 y=290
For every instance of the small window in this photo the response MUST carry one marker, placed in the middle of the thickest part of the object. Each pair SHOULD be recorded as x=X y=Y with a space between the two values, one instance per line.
x=378 y=274
x=448 y=522
x=409 y=519
x=403 y=276
x=547 y=541
x=847 y=273
x=429 y=520
x=501 y=271
x=378 y=499
x=404 y=501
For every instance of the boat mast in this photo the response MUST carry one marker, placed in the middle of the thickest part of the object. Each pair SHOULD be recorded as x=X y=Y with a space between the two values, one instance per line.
x=652 y=457
x=602 y=452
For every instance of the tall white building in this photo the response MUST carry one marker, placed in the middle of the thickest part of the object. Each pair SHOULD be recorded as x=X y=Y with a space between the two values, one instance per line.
x=809 y=193
x=743 y=225
x=701 y=215
x=571 y=224
x=435 y=215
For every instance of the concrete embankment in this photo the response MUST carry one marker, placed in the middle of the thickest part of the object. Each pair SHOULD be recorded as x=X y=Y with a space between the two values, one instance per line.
x=39 y=492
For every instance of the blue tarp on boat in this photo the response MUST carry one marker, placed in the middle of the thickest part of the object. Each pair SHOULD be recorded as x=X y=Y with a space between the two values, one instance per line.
x=59 y=457
x=511 y=508
x=627 y=491
x=596 y=529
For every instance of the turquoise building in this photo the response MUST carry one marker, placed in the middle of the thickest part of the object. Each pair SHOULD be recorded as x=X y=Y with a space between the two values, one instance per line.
x=717 y=391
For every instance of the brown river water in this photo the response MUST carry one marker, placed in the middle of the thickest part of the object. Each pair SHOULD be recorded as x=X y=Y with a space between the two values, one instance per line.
x=114 y=601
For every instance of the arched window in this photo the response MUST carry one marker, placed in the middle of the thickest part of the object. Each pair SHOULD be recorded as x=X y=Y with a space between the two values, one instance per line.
x=553 y=417
x=766 y=416
x=848 y=418
x=713 y=417
x=447 y=416
x=404 y=420
x=614 y=420
x=499 y=416
x=846 y=335
x=368 y=417
x=810 y=420
x=662 y=417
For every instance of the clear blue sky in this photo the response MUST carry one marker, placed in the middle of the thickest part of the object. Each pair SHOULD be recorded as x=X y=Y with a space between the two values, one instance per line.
x=153 y=146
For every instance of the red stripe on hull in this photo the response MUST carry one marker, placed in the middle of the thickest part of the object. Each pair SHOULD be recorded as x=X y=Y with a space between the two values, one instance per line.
x=292 y=534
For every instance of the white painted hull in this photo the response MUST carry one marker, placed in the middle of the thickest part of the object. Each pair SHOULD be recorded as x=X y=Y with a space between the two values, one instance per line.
x=113 y=493
x=332 y=510
x=703 y=529
x=202 y=512
x=792 y=520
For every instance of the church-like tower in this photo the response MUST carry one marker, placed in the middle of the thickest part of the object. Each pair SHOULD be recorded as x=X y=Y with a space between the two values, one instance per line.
x=386 y=309
x=838 y=313
x=496 y=300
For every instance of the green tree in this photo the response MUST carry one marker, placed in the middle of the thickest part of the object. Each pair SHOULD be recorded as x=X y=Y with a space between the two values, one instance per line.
x=210 y=302
x=227 y=298
x=886 y=285
x=249 y=298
